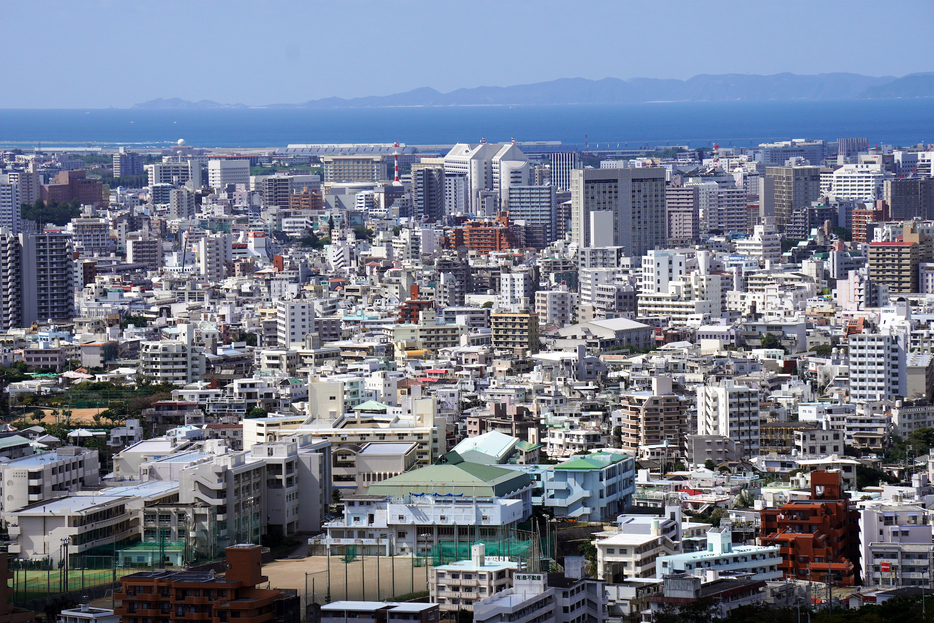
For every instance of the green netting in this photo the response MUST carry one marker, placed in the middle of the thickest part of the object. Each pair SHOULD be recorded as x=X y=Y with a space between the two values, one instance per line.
x=511 y=548
x=350 y=553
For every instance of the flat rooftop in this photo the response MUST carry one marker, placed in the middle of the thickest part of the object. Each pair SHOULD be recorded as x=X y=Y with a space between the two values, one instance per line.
x=388 y=448
x=36 y=460
x=71 y=504
x=186 y=457
x=144 y=489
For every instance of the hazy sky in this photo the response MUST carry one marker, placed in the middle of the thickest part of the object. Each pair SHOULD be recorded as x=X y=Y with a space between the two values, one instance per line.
x=100 y=53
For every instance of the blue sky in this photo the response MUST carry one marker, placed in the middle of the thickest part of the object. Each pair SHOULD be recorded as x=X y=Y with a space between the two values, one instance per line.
x=100 y=53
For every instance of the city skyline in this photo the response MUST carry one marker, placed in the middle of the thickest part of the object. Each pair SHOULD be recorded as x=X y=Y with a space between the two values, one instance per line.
x=243 y=53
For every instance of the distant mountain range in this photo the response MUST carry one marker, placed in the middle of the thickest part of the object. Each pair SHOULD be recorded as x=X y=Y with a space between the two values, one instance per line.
x=725 y=87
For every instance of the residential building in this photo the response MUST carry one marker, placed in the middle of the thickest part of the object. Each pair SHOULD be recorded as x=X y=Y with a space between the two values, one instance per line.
x=895 y=545
x=47 y=267
x=682 y=208
x=173 y=361
x=127 y=163
x=294 y=320
x=653 y=417
x=794 y=188
x=10 y=210
x=428 y=190
x=517 y=332
x=228 y=171
x=595 y=487
x=458 y=585
x=561 y=164
x=184 y=595
x=731 y=410
x=818 y=537
x=535 y=206
x=354 y=168
x=878 y=369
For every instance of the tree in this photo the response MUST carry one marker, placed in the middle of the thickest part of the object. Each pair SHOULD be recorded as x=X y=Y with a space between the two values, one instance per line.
x=702 y=610
x=335 y=496
x=250 y=339
x=709 y=464
x=678 y=467
x=38 y=414
x=136 y=321
x=257 y=412
x=822 y=350
x=770 y=341
x=843 y=233
x=363 y=233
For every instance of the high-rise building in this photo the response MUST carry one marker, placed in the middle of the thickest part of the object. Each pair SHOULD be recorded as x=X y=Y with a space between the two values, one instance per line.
x=11 y=286
x=48 y=277
x=909 y=198
x=794 y=188
x=212 y=255
x=562 y=163
x=625 y=206
x=516 y=332
x=224 y=172
x=536 y=206
x=652 y=418
x=848 y=149
x=730 y=410
x=68 y=186
x=857 y=182
x=428 y=189
x=682 y=209
x=10 y=210
x=174 y=173
x=275 y=189
x=294 y=320
x=895 y=264
x=489 y=170
x=127 y=163
x=181 y=203
x=142 y=249
x=877 y=366
x=28 y=183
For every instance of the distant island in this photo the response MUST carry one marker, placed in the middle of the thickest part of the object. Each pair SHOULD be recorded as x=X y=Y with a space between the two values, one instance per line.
x=565 y=91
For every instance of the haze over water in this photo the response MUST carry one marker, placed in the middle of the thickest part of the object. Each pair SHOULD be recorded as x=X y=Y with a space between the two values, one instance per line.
x=895 y=122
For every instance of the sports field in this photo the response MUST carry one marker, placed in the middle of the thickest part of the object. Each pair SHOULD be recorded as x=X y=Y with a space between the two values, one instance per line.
x=367 y=578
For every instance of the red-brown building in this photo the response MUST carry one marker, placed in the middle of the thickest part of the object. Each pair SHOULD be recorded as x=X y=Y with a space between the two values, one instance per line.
x=306 y=200
x=189 y=596
x=482 y=236
x=819 y=537
x=409 y=310
x=67 y=186
x=863 y=216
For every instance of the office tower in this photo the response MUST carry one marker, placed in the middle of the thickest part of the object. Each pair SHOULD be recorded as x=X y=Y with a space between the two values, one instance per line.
x=428 y=189
x=909 y=198
x=127 y=163
x=793 y=188
x=849 y=148
x=682 y=208
x=624 y=205
x=48 y=277
x=536 y=206
x=489 y=170
x=11 y=309
x=181 y=203
x=28 y=183
x=224 y=172
x=357 y=168
x=294 y=320
x=777 y=154
x=10 y=208
x=562 y=164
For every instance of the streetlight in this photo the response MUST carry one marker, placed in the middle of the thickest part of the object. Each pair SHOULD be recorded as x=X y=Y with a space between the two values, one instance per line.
x=64 y=579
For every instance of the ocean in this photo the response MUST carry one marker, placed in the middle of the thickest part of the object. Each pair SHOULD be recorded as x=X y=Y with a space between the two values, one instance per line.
x=899 y=122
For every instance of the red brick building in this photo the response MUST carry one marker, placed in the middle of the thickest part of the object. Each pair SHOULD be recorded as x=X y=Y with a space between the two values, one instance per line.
x=188 y=596
x=67 y=186
x=819 y=537
x=863 y=216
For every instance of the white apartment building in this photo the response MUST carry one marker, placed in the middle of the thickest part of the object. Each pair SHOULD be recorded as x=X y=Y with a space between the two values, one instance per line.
x=899 y=536
x=695 y=298
x=516 y=291
x=878 y=368
x=633 y=549
x=555 y=307
x=46 y=476
x=172 y=173
x=223 y=172
x=212 y=255
x=722 y=555
x=730 y=410
x=660 y=268
x=294 y=320
x=561 y=442
x=530 y=600
x=173 y=361
x=765 y=245
x=460 y=584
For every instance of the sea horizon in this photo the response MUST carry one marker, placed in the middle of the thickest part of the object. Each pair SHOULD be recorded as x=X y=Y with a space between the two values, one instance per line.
x=898 y=122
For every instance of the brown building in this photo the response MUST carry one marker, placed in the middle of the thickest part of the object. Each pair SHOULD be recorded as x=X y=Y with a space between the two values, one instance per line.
x=909 y=198
x=306 y=200
x=818 y=538
x=515 y=332
x=189 y=596
x=682 y=206
x=895 y=264
x=482 y=236
x=779 y=437
x=862 y=217
x=653 y=418
x=67 y=186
